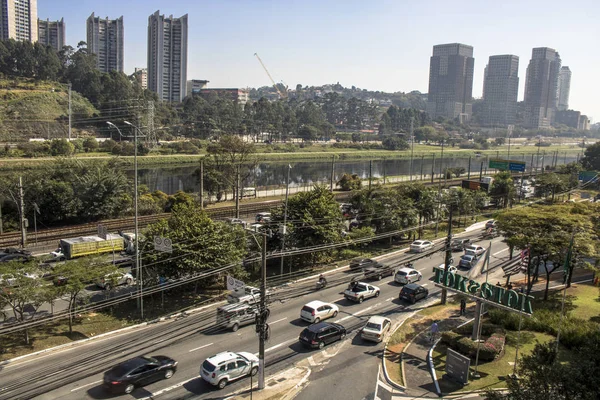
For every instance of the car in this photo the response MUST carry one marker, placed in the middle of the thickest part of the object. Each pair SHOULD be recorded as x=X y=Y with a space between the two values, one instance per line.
x=467 y=261
x=321 y=334
x=490 y=224
x=459 y=244
x=15 y=257
x=227 y=366
x=138 y=371
x=58 y=255
x=115 y=278
x=263 y=217
x=316 y=311
x=376 y=272
x=362 y=263
x=234 y=316
x=236 y=221
x=419 y=246
x=475 y=250
x=413 y=292
x=451 y=268
x=407 y=275
x=361 y=291
x=60 y=281
x=376 y=328
x=256 y=227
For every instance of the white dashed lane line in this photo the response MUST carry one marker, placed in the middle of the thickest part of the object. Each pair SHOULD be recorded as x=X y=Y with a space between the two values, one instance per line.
x=201 y=347
x=279 y=320
x=86 y=385
x=356 y=314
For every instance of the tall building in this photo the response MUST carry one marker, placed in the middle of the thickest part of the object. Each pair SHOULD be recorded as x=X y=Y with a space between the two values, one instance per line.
x=541 y=88
x=451 y=81
x=167 y=56
x=195 y=85
x=564 y=86
x=141 y=74
x=52 y=33
x=105 y=39
x=240 y=96
x=18 y=20
x=500 y=90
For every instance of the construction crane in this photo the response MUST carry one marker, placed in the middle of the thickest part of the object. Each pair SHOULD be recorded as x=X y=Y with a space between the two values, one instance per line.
x=282 y=95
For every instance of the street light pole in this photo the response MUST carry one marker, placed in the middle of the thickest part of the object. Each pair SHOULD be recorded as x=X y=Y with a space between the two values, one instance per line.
x=287 y=192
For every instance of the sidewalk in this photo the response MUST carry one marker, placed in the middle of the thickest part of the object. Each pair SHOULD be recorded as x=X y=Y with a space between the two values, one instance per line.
x=417 y=374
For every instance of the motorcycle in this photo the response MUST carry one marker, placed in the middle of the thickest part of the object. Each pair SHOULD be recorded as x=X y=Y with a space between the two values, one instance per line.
x=322 y=284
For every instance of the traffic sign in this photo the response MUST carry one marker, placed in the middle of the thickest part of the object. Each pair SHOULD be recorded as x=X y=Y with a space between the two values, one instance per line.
x=517 y=166
x=233 y=284
x=163 y=244
x=499 y=164
x=507 y=165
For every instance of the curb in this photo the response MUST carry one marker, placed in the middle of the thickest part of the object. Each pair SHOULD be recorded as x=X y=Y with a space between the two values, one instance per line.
x=104 y=335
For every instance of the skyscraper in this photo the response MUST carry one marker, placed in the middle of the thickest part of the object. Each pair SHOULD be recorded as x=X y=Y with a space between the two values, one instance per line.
x=451 y=81
x=564 y=86
x=141 y=74
x=541 y=84
x=167 y=56
x=18 y=20
x=52 y=33
x=105 y=39
x=500 y=90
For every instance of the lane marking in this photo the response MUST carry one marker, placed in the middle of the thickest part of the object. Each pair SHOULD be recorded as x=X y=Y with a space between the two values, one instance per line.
x=279 y=320
x=86 y=385
x=391 y=298
x=201 y=347
x=168 y=389
x=280 y=345
x=425 y=284
x=356 y=313
x=501 y=251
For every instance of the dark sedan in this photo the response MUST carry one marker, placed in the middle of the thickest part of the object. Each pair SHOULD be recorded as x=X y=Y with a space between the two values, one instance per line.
x=139 y=371
x=362 y=263
x=321 y=334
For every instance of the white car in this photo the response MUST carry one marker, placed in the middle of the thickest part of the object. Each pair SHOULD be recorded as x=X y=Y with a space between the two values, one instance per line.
x=419 y=246
x=227 y=366
x=474 y=250
x=117 y=278
x=58 y=255
x=316 y=311
x=263 y=217
x=407 y=275
x=376 y=328
x=451 y=268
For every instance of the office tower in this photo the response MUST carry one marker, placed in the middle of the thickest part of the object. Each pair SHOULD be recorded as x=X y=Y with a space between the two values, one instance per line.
x=52 y=33
x=18 y=20
x=564 y=86
x=541 y=87
x=105 y=39
x=167 y=56
x=141 y=74
x=500 y=90
x=451 y=81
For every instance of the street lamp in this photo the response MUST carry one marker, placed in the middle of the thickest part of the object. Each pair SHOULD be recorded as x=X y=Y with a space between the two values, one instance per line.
x=135 y=206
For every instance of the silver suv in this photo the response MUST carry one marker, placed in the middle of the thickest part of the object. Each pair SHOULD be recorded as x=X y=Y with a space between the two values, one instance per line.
x=233 y=316
x=227 y=366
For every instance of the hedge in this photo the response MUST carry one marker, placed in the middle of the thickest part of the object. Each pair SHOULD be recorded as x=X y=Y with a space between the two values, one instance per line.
x=488 y=350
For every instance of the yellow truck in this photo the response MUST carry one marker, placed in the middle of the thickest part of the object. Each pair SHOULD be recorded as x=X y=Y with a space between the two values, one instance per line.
x=88 y=245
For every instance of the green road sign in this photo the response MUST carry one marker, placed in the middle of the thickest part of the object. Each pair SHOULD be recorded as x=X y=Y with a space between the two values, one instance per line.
x=499 y=164
x=507 y=165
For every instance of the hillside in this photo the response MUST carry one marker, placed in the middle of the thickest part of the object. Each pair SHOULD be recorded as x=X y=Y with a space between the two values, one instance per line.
x=30 y=109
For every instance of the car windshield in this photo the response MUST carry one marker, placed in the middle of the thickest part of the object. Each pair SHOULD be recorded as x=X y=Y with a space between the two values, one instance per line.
x=359 y=288
x=307 y=309
x=401 y=273
x=417 y=243
x=373 y=326
x=208 y=366
x=467 y=257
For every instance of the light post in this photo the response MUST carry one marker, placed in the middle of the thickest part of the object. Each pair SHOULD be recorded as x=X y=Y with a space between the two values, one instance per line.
x=412 y=146
x=582 y=146
x=284 y=229
x=135 y=206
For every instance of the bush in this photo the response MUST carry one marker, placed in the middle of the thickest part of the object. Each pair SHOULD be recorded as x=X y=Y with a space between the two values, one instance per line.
x=451 y=339
x=61 y=147
x=90 y=144
x=347 y=254
x=349 y=182
x=466 y=346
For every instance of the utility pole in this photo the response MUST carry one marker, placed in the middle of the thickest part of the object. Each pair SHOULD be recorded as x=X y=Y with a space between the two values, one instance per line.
x=1 y=227
x=237 y=192
x=263 y=329
x=448 y=255
x=332 y=174
x=284 y=231
x=469 y=171
x=22 y=212
x=370 y=172
x=69 y=110
x=432 y=167
x=412 y=146
x=422 y=159
x=202 y=184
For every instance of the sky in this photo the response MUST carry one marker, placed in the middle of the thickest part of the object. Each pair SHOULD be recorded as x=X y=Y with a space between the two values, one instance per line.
x=376 y=44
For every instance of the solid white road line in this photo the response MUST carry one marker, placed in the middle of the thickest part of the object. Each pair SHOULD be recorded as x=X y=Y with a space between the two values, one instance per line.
x=390 y=299
x=377 y=382
x=356 y=314
x=168 y=389
x=280 y=345
x=501 y=251
x=201 y=347
x=279 y=320
x=425 y=284
x=86 y=385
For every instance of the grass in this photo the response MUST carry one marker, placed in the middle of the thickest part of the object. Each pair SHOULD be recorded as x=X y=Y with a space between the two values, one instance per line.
x=494 y=373
x=586 y=301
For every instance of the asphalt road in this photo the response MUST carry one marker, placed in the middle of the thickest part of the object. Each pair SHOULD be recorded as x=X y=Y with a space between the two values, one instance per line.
x=76 y=373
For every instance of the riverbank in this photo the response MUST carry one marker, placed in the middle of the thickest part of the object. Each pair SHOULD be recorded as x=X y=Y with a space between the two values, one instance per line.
x=316 y=152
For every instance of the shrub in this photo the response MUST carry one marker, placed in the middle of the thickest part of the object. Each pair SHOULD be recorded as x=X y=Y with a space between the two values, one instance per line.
x=451 y=338
x=349 y=182
x=466 y=346
x=61 y=147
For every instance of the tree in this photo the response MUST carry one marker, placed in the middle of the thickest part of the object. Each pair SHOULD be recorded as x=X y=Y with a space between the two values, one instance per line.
x=308 y=133
x=90 y=144
x=425 y=133
x=61 y=147
x=591 y=157
x=503 y=190
x=384 y=210
x=423 y=199
x=499 y=141
x=394 y=143
x=349 y=182
x=552 y=183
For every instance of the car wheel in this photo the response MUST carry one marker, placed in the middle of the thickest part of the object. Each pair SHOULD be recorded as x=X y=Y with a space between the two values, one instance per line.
x=379 y=277
x=129 y=388
x=335 y=313
x=168 y=374
x=377 y=294
x=235 y=327
x=222 y=383
x=360 y=299
x=342 y=336
x=129 y=281
x=420 y=276
x=317 y=320
x=254 y=371
x=414 y=300
x=321 y=345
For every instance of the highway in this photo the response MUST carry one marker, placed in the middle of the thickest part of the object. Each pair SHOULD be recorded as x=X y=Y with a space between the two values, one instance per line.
x=76 y=372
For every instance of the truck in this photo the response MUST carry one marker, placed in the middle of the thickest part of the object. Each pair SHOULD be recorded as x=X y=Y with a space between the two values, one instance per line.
x=361 y=291
x=88 y=245
x=246 y=294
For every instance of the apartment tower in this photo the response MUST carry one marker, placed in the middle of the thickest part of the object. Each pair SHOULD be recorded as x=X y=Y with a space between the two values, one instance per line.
x=105 y=39
x=451 y=82
x=541 y=88
x=52 y=33
x=500 y=90
x=18 y=20
x=167 y=56
x=564 y=86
